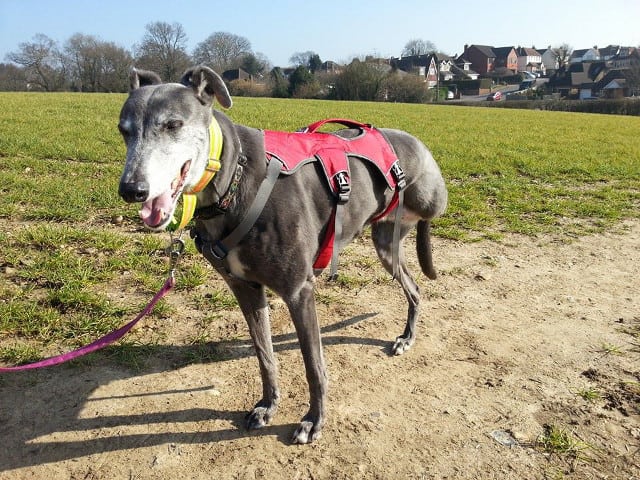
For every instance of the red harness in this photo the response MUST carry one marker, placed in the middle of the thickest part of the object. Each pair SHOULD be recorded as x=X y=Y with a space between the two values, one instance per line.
x=332 y=151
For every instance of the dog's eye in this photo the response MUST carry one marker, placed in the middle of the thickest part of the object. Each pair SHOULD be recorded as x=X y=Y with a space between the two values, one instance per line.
x=173 y=125
x=123 y=131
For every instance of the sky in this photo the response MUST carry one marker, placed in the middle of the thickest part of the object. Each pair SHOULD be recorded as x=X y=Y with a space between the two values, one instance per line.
x=335 y=30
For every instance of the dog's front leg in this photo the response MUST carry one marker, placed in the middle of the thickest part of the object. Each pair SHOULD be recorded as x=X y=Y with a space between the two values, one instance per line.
x=303 y=312
x=253 y=302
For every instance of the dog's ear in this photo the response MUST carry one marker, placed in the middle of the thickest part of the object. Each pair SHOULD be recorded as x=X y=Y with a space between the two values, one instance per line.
x=207 y=84
x=142 y=78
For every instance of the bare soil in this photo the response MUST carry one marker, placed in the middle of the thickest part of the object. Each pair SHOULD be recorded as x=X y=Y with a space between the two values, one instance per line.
x=510 y=333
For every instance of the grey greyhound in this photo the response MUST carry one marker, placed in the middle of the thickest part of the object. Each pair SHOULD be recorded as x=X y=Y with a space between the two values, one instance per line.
x=166 y=130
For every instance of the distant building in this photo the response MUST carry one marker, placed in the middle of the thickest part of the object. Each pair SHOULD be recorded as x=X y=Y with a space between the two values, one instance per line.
x=482 y=58
x=435 y=68
x=550 y=62
x=585 y=55
x=236 y=74
x=506 y=57
x=530 y=60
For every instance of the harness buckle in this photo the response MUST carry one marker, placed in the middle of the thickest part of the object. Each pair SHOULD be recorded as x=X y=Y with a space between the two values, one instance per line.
x=344 y=186
x=399 y=176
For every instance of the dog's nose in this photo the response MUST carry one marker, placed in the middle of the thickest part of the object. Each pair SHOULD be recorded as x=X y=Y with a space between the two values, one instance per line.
x=133 y=192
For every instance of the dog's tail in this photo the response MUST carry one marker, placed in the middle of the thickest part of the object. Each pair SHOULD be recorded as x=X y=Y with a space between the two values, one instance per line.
x=423 y=245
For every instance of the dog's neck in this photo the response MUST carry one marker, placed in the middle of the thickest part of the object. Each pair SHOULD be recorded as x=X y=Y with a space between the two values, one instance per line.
x=189 y=199
x=223 y=190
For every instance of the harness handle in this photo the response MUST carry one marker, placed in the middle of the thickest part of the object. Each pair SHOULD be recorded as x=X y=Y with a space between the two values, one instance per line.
x=341 y=121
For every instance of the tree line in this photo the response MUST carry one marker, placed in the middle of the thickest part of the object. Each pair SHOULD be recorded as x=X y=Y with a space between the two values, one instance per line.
x=85 y=63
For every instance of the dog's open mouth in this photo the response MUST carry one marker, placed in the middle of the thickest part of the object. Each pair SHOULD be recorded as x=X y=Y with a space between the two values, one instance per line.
x=157 y=212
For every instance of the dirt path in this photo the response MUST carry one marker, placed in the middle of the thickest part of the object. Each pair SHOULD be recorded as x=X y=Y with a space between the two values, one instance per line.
x=509 y=334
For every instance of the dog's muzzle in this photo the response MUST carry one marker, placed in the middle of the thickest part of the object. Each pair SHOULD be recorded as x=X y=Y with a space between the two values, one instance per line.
x=134 y=192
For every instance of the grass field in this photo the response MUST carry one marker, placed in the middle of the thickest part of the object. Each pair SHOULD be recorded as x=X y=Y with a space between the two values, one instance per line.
x=519 y=171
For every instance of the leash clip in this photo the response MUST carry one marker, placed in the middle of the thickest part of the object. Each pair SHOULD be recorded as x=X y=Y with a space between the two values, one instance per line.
x=176 y=249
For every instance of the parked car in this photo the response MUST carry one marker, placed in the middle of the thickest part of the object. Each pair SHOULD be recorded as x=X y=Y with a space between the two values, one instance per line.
x=495 y=96
x=526 y=85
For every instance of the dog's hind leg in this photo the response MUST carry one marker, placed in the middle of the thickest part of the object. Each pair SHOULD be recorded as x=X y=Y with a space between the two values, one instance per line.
x=302 y=308
x=253 y=302
x=382 y=236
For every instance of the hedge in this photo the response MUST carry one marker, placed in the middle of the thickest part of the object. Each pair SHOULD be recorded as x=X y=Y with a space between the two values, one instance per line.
x=624 y=106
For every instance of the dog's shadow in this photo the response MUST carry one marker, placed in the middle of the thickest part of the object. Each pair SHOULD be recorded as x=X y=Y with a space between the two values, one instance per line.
x=38 y=406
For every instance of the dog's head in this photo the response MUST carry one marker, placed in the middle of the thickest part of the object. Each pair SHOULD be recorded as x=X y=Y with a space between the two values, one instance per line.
x=165 y=127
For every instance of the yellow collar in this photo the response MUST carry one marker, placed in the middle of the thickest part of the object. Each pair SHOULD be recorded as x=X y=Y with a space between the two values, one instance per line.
x=213 y=166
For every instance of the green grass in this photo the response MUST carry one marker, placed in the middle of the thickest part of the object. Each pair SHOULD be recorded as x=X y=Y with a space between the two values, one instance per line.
x=589 y=394
x=522 y=171
x=610 y=349
x=555 y=440
x=69 y=274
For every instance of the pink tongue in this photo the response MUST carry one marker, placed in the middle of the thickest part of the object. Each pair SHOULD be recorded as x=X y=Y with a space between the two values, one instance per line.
x=154 y=212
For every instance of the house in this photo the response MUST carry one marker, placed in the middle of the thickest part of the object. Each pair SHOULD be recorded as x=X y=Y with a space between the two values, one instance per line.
x=628 y=57
x=549 y=60
x=570 y=81
x=431 y=72
x=436 y=69
x=425 y=66
x=585 y=55
x=236 y=74
x=506 y=57
x=482 y=58
x=486 y=59
x=608 y=52
x=462 y=69
x=445 y=67
x=584 y=78
x=560 y=83
x=616 y=88
x=614 y=84
x=330 y=67
x=530 y=60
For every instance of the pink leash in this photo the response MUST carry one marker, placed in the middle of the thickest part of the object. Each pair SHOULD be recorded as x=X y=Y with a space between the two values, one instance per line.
x=177 y=246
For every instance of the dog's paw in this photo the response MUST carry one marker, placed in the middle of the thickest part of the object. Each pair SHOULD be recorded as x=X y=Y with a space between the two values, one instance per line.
x=306 y=433
x=401 y=345
x=260 y=416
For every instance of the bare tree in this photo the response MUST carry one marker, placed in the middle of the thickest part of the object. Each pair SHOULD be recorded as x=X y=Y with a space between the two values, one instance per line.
x=83 y=61
x=222 y=51
x=96 y=66
x=42 y=62
x=308 y=59
x=417 y=47
x=163 y=50
x=116 y=64
x=12 y=78
x=563 y=54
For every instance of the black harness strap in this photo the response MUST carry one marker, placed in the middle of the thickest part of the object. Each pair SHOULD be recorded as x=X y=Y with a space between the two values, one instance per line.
x=344 y=189
x=217 y=251
x=401 y=183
